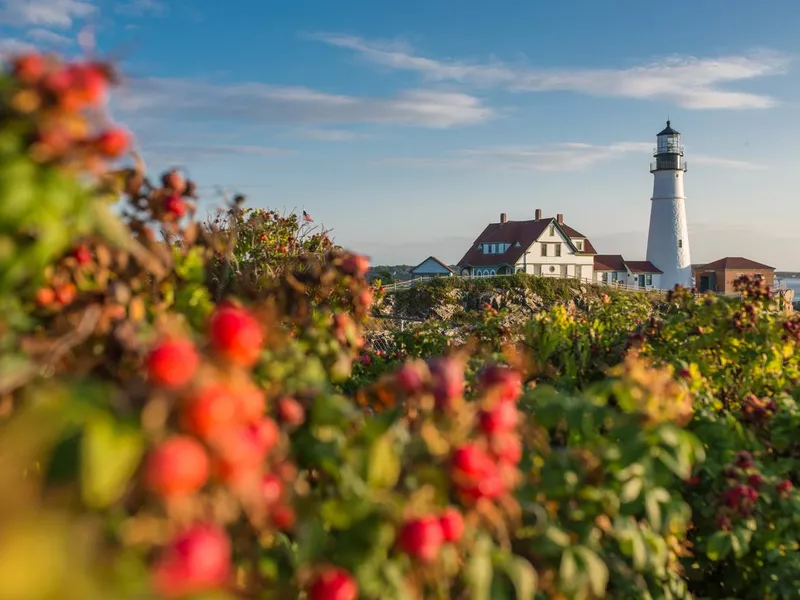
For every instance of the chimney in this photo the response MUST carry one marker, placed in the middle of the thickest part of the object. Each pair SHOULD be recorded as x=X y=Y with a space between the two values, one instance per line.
x=538 y=214
x=503 y=217
x=560 y=218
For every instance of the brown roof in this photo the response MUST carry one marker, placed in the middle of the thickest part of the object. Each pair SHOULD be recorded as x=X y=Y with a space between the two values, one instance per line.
x=609 y=262
x=642 y=266
x=523 y=233
x=735 y=262
x=434 y=259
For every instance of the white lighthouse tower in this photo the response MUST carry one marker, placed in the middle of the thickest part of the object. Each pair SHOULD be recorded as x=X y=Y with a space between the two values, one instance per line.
x=668 y=238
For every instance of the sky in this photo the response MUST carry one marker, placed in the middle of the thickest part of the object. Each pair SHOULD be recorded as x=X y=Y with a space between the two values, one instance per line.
x=406 y=127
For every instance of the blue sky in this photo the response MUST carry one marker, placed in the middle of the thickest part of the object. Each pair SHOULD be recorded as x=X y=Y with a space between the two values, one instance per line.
x=407 y=126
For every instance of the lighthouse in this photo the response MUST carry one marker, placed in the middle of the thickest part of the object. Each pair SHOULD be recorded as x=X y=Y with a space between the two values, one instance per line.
x=668 y=237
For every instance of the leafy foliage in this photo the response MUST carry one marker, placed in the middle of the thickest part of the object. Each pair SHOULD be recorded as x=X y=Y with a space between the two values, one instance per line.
x=188 y=409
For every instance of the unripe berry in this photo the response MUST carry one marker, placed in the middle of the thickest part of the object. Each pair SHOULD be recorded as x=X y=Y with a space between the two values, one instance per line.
x=176 y=467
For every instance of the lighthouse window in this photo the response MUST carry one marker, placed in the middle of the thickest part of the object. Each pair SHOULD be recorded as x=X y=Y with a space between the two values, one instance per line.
x=680 y=243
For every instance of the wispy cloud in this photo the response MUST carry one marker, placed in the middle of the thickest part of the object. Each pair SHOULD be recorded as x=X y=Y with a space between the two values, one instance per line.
x=141 y=8
x=48 y=38
x=175 y=152
x=725 y=163
x=689 y=82
x=12 y=46
x=328 y=135
x=567 y=156
x=59 y=14
x=258 y=103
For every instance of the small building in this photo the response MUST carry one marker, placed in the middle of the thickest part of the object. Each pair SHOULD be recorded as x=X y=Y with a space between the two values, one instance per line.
x=719 y=276
x=432 y=267
x=613 y=268
x=546 y=247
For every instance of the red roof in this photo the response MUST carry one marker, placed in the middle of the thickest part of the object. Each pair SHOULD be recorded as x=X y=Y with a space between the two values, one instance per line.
x=735 y=263
x=642 y=266
x=609 y=262
x=520 y=235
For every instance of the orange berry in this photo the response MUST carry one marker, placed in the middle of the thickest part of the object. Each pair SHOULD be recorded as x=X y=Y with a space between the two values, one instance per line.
x=176 y=467
x=291 y=412
x=113 y=142
x=211 y=412
x=66 y=293
x=29 y=68
x=45 y=296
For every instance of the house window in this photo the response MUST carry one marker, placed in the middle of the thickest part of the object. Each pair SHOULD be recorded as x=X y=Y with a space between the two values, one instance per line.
x=552 y=230
x=579 y=245
x=544 y=249
x=552 y=269
x=614 y=276
x=648 y=280
x=558 y=249
x=758 y=276
x=492 y=272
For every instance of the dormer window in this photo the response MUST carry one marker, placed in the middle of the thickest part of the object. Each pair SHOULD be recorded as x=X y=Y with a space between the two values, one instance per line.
x=552 y=230
x=579 y=245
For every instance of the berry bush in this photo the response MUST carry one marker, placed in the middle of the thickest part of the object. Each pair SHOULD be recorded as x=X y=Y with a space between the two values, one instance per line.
x=188 y=409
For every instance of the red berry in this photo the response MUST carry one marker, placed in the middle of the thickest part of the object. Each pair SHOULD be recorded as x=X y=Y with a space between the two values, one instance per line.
x=283 y=516
x=508 y=381
x=82 y=254
x=409 y=378
x=471 y=460
x=211 y=412
x=422 y=538
x=236 y=335
x=172 y=363
x=507 y=448
x=174 y=181
x=29 y=68
x=333 y=584
x=196 y=561
x=365 y=359
x=502 y=418
x=784 y=487
x=355 y=264
x=744 y=460
x=113 y=143
x=271 y=489
x=176 y=467
x=755 y=480
x=175 y=206
x=452 y=524
x=365 y=297
x=475 y=474
x=291 y=412
x=248 y=444
x=448 y=380
x=59 y=81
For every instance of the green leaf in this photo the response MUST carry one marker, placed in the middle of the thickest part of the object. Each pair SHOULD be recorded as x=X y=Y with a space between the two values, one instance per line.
x=384 y=463
x=522 y=575
x=596 y=570
x=110 y=454
x=719 y=545
x=479 y=569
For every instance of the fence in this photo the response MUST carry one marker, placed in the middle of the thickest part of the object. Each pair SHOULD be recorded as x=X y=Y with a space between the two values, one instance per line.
x=616 y=285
